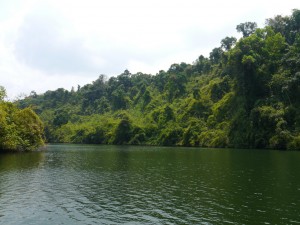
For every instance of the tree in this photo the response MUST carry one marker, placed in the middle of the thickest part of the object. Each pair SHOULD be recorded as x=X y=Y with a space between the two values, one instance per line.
x=295 y=23
x=30 y=129
x=246 y=28
x=123 y=131
x=19 y=129
x=202 y=64
x=291 y=58
x=279 y=24
x=61 y=117
x=125 y=80
x=228 y=42
x=288 y=26
x=215 y=55
x=33 y=94
x=176 y=85
x=146 y=98
x=2 y=93
x=119 y=100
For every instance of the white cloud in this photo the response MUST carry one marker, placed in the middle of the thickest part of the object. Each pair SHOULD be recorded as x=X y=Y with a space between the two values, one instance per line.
x=41 y=45
x=61 y=43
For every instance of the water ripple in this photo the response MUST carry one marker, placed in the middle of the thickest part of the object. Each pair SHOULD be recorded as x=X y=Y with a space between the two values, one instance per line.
x=92 y=185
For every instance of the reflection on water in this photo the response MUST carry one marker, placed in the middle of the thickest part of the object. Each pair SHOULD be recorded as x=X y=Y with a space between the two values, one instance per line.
x=85 y=184
x=20 y=161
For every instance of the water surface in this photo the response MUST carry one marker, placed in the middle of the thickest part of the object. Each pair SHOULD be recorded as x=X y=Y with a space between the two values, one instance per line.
x=86 y=184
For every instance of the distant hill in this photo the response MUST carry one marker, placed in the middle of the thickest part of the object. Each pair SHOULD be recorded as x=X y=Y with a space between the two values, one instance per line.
x=246 y=95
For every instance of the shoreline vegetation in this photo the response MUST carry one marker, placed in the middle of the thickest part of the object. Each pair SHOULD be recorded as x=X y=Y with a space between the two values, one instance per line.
x=244 y=95
x=20 y=129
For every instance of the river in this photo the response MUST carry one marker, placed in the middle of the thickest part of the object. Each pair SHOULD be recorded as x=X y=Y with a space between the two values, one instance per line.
x=90 y=184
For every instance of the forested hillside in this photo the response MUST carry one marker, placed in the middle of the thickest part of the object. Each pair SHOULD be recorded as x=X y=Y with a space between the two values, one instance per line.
x=246 y=95
x=20 y=130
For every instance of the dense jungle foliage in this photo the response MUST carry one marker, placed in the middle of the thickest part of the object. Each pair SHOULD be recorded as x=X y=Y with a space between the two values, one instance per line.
x=246 y=95
x=20 y=130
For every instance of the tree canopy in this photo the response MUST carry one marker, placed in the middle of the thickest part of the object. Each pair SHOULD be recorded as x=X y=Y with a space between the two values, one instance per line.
x=246 y=94
x=20 y=129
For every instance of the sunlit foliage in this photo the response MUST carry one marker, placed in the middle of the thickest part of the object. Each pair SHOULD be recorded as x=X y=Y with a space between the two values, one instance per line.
x=246 y=94
x=19 y=129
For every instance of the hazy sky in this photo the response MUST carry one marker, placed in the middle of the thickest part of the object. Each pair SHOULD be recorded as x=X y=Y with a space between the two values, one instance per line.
x=48 y=44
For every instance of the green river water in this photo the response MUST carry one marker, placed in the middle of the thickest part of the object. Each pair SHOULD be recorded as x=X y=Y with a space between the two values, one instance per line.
x=89 y=184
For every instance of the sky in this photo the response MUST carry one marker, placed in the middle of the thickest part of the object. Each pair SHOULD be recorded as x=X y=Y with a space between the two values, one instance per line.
x=50 y=44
